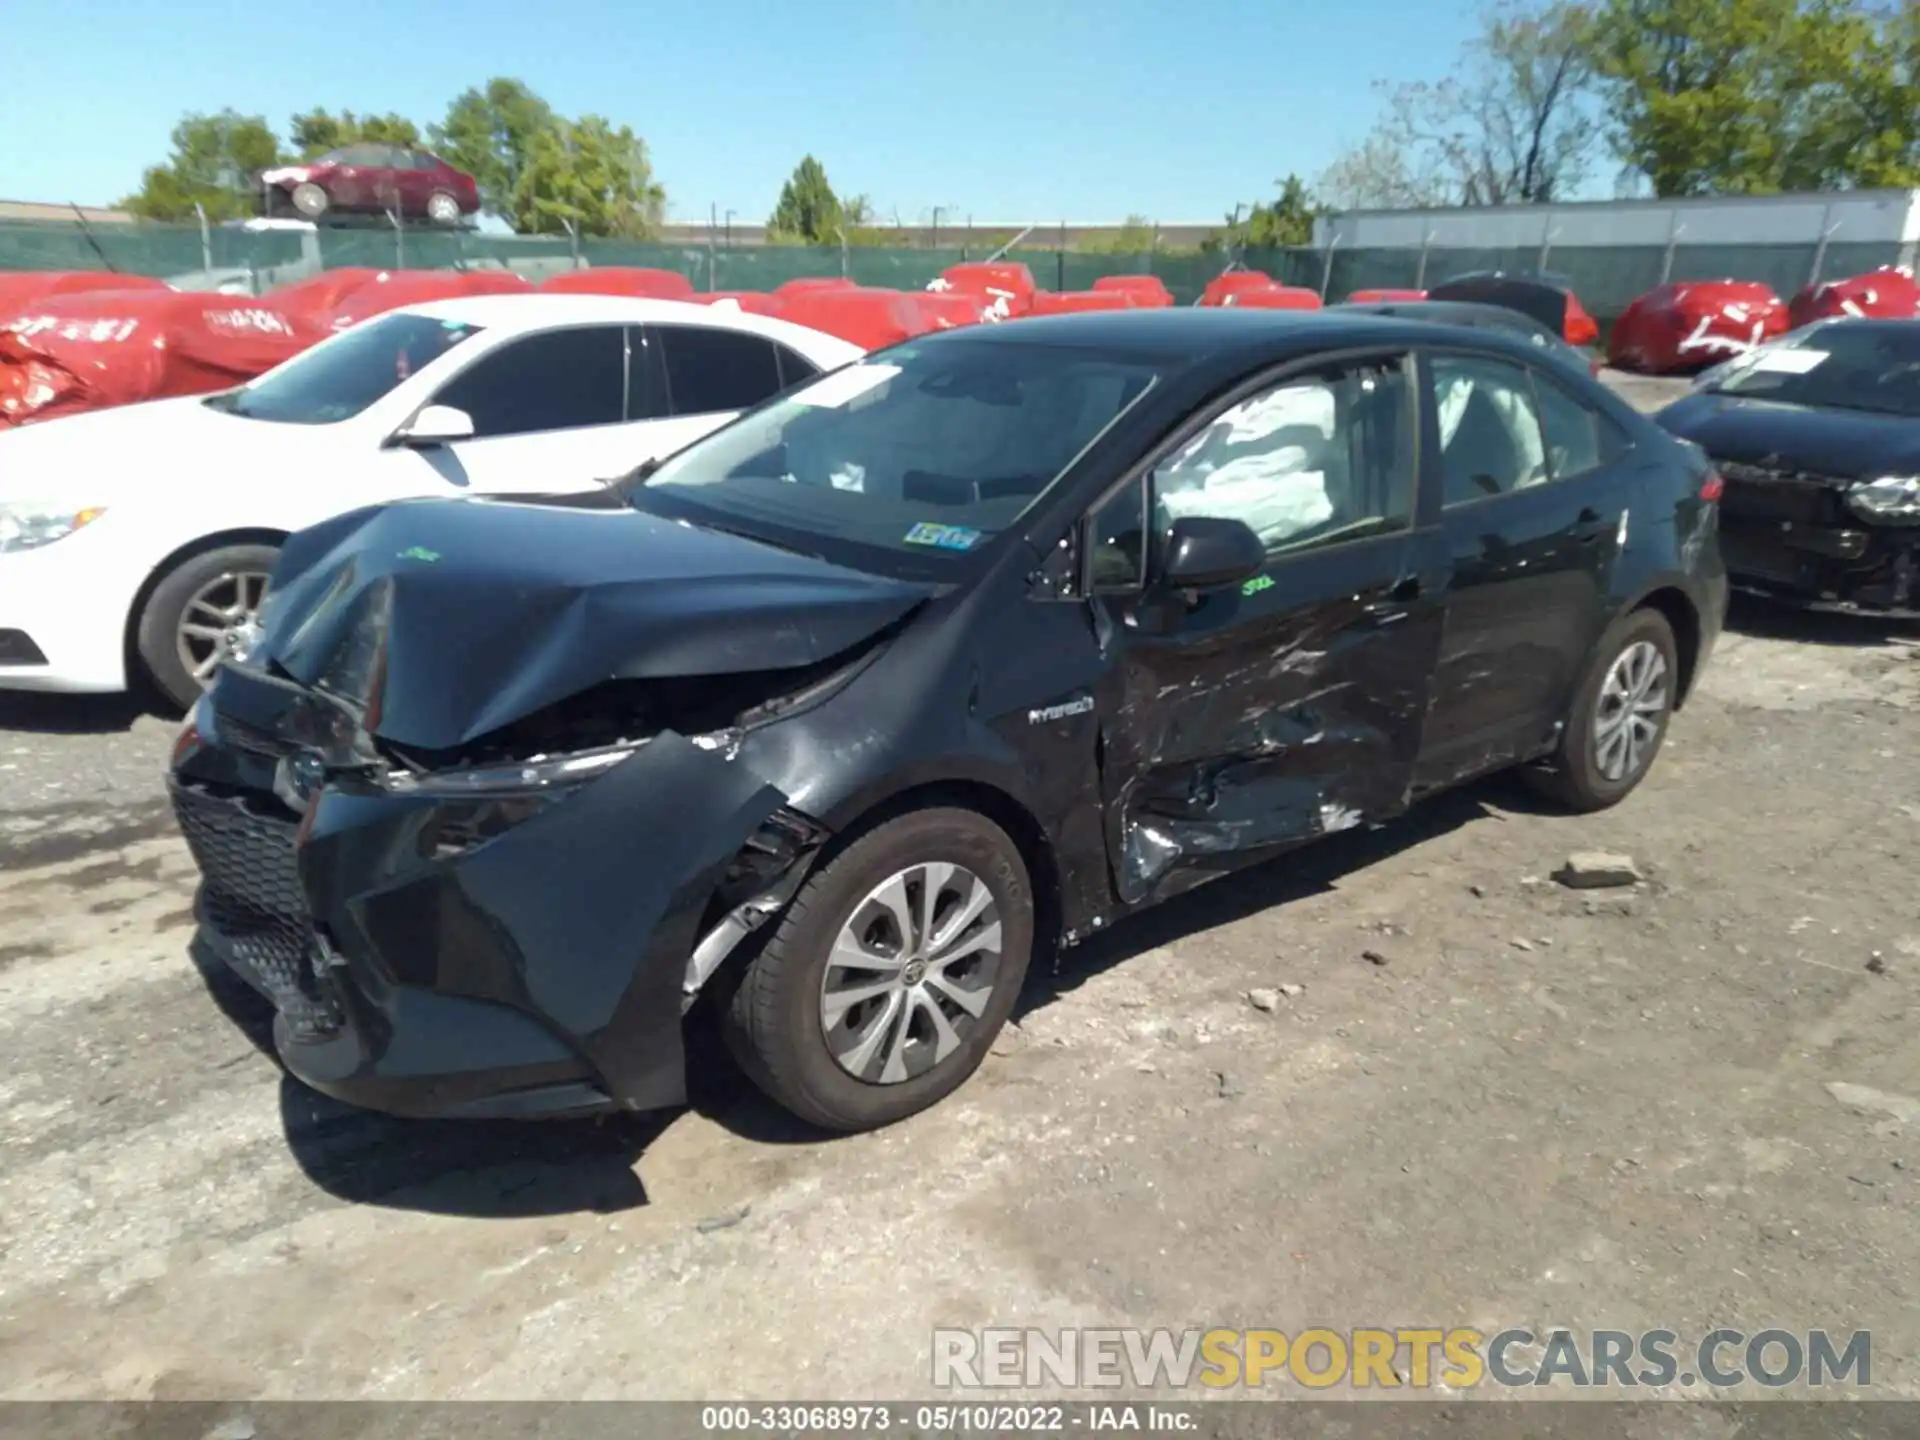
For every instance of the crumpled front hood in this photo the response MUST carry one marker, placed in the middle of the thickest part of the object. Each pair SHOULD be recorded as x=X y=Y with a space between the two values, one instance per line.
x=444 y=620
x=1843 y=444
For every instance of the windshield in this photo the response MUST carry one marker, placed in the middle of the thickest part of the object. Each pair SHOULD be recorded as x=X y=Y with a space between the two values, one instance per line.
x=1848 y=365
x=906 y=461
x=343 y=375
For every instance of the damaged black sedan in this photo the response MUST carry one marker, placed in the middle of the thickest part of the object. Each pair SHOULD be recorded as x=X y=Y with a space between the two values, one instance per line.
x=843 y=714
x=1818 y=437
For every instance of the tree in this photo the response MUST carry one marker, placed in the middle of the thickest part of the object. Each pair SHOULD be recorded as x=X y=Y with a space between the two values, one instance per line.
x=807 y=212
x=586 y=174
x=213 y=164
x=1761 y=96
x=489 y=132
x=1287 y=220
x=1512 y=125
x=317 y=131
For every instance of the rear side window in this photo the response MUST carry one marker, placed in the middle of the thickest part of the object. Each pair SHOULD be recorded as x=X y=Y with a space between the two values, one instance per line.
x=1575 y=433
x=1491 y=438
x=713 y=370
x=559 y=380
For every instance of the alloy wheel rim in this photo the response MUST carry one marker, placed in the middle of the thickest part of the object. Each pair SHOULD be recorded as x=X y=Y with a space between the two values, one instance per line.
x=1632 y=706
x=442 y=208
x=911 y=973
x=220 y=623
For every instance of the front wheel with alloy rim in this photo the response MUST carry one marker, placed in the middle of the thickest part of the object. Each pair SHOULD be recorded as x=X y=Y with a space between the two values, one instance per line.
x=1619 y=716
x=204 y=611
x=890 y=974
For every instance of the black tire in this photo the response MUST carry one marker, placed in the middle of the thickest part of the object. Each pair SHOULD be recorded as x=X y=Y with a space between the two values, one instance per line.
x=773 y=1023
x=155 y=638
x=1572 y=775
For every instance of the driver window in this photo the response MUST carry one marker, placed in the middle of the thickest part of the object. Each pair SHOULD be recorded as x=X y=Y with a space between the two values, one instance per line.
x=1321 y=457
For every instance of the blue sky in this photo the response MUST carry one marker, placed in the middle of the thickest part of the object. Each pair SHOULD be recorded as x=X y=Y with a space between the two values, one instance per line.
x=1055 y=109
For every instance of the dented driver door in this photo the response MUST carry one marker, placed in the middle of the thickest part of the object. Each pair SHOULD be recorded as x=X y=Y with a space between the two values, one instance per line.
x=1252 y=718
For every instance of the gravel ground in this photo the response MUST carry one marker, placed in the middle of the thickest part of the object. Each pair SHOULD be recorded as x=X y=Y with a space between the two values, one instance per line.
x=1687 y=1105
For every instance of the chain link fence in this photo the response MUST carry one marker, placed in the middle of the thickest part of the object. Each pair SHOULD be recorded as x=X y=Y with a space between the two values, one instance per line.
x=234 y=258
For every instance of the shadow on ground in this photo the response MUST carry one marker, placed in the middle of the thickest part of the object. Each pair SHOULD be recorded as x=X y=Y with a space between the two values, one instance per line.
x=1771 y=620
x=75 y=714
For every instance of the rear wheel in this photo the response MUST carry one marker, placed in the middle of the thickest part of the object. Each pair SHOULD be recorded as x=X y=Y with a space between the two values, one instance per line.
x=310 y=200
x=890 y=974
x=443 y=209
x=202 y=613
x=1619 y=716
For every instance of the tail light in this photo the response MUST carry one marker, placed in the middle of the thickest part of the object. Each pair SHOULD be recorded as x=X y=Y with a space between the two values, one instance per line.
x=1581 y=328
x=1712 y=488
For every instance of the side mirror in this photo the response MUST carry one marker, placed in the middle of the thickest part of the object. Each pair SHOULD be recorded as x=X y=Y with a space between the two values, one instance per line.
x=1208 y=552
x=437 y=425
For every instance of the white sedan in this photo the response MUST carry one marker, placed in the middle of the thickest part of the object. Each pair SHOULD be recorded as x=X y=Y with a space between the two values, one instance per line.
x=135 y=543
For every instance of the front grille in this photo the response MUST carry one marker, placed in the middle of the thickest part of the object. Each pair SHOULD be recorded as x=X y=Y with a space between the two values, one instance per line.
x=1760 y=492
x=252 y=899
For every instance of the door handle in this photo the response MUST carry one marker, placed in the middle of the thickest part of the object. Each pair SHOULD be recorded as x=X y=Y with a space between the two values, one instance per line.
x=1589 y=525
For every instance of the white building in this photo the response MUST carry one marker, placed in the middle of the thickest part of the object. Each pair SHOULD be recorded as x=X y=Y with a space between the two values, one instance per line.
x=1859 y=217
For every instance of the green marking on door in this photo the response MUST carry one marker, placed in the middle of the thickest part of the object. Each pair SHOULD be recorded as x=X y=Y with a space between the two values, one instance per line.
x=1257 y=584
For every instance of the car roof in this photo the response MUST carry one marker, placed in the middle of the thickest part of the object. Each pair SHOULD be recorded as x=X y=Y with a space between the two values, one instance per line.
x=1464 y=312
x=512 y=313
x=1227 y=335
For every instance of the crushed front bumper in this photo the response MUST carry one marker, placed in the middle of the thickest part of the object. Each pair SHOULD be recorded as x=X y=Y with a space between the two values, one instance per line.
x=1792 y=539
x=484 y=956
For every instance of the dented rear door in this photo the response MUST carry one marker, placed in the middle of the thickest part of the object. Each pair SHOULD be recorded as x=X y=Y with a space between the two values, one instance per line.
x=1255 y=718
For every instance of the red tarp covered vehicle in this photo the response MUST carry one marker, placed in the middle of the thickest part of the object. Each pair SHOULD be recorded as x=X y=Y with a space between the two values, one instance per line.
x=1147 y=290
x=314 y=299
x=1274 y=297
x=639 y=281
x=20 y=287
x=1233 y=282
x=1675 y=329
x=390 y=289
x=1067 y=302
x=1886 y=294
x=949 y=309
x=1007 y=285
x=86 y=352
x=1384 y=297
x=808 y=284
x=867 y=318
x=754 y=302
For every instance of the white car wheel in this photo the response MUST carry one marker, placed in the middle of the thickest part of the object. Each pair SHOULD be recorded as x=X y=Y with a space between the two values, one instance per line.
x=309 y=199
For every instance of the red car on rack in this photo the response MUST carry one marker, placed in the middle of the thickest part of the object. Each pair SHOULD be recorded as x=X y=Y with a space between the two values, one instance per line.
x=369 y=178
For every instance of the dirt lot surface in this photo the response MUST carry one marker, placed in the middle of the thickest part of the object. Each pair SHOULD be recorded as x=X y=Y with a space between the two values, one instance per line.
x=1686 y=1105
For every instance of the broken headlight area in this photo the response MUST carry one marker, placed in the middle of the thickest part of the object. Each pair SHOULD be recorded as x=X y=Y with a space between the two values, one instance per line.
x=505 y=779
x=1890 y=500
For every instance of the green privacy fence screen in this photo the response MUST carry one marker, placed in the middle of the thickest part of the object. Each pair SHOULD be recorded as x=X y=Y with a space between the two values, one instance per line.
x=1606 y=278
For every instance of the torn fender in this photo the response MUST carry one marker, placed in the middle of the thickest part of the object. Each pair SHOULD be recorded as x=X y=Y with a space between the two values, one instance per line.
x=581 y=915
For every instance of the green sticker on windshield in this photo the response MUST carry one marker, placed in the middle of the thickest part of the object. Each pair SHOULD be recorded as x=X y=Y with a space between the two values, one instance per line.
x=419 y=552
x=944 y=537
